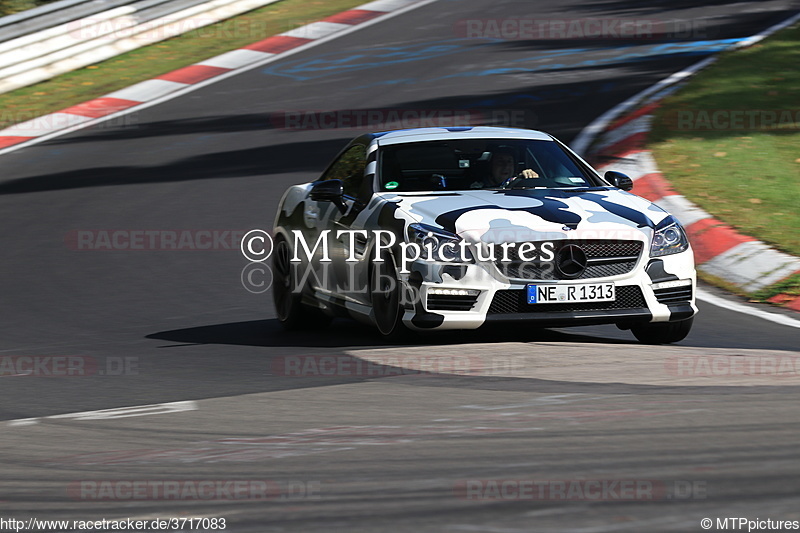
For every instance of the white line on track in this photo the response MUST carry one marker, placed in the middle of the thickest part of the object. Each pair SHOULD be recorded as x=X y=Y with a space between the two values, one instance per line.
x=746 y=309
x=109 y=414
x=583 y=140
x=587 y=135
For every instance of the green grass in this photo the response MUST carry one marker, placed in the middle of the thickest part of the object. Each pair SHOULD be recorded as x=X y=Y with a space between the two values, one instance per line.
x=789 y=286
x=748 y=178
x=9 y=7
x=145 y=63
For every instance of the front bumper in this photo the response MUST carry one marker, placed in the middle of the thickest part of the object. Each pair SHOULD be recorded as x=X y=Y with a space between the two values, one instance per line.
x=638 y=299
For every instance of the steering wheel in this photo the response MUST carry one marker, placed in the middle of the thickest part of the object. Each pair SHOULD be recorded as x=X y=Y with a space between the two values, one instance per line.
x=510 y=181
x=439 y=181
x=524 y=175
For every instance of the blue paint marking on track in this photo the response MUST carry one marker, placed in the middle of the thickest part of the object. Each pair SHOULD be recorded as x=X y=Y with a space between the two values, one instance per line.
x=658 y=51
x=343 y=62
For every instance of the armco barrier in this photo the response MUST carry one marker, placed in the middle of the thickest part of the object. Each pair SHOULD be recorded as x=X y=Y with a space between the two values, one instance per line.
x=53 y=14
x=41 y=55
x=172 y=84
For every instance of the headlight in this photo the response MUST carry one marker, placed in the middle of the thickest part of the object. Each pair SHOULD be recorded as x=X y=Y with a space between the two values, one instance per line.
x=668 y=238
x=438 y=244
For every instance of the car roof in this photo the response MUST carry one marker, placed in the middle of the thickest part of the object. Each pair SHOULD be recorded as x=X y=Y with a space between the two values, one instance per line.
x=478 y=132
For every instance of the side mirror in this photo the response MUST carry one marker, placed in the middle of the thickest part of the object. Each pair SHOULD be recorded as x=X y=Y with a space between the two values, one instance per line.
x=329 y=191
x=618 y=180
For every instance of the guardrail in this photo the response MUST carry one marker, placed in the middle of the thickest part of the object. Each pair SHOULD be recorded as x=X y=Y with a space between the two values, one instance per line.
x=49 y=40
x=52 y=14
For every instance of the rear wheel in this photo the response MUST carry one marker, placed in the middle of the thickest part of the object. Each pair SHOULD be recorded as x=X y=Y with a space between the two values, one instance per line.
x=292 y=313
x=663 y=332
x=385 y=294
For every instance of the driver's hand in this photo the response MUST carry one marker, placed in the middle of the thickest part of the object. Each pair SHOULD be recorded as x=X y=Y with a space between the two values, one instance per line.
x=528 y=174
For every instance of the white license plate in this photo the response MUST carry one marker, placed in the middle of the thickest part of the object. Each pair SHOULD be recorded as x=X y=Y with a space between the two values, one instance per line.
x=589 y=292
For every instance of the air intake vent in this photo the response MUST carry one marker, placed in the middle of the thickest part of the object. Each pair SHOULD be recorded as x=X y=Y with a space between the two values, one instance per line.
x=674 y=295
x=452 y=300
x=513 y=301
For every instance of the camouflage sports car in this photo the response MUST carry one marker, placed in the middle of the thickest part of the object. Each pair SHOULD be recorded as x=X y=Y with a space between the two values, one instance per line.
x=451 y=228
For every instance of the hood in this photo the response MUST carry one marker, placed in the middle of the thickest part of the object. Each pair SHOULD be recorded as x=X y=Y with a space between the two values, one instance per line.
x=520 y=215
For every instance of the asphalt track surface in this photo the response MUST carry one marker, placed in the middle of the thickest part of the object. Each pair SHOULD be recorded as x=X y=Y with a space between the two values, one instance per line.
x=389 y=451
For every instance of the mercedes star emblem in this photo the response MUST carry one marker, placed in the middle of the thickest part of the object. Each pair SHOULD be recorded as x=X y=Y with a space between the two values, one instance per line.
x=571 y=261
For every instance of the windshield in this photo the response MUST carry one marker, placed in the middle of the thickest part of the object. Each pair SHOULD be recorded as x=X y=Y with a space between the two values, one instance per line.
x=464 y=164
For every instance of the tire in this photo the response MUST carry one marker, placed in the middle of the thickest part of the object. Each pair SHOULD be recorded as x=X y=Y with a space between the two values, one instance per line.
x=385 y=296
x=293 y=314
x=663 y=332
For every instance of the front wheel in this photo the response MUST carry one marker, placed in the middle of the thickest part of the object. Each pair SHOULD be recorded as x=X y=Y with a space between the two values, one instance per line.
x=663 y=332
x=385 y=294
x=292 y=313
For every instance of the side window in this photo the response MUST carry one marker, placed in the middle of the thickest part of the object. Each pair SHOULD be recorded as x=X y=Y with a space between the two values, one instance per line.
x=350 y=169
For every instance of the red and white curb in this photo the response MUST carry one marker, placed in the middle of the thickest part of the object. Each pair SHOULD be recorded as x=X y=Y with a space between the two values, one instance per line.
x=200 y=74
x=719 y=249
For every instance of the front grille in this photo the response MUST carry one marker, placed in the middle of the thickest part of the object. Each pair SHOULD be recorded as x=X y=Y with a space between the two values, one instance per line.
x=606 y=258
x=674 y=294
x=442 y=302
x=513 y=301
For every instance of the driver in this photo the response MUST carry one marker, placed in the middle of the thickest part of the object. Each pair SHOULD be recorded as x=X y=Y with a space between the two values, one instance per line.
x=503 y=163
